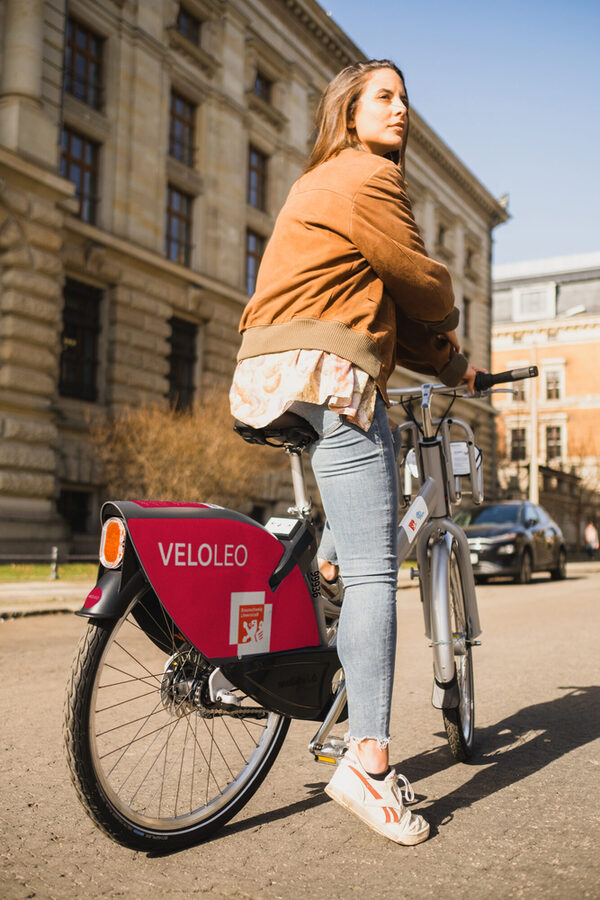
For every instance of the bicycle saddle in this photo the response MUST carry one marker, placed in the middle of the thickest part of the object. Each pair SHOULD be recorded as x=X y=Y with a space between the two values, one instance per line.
x=288 y=430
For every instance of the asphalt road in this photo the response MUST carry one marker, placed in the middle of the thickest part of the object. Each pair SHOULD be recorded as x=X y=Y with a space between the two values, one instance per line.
x=520 y=821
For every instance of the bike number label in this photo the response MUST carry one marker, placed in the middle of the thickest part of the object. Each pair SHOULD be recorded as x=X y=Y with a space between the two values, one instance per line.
x=414 y=518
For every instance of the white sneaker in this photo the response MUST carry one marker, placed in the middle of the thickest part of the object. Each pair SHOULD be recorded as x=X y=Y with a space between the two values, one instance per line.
x=378 y=803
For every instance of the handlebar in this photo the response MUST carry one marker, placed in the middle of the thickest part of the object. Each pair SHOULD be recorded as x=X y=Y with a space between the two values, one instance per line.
x=484 y=380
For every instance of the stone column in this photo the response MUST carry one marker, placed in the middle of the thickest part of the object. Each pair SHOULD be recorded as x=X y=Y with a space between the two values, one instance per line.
x=459 y=248
x=30 y=311
x=429 y=222
x=24 y=126
x=22 y=68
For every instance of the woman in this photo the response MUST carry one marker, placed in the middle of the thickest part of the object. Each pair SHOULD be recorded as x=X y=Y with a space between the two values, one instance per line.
x=345 y=292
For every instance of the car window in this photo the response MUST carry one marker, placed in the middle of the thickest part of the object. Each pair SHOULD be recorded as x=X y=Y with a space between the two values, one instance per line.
x=502 y=514
x=530 y=513
x=542 y=515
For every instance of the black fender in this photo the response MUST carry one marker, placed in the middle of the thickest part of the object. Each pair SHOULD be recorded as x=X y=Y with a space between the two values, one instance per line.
x=108 y=600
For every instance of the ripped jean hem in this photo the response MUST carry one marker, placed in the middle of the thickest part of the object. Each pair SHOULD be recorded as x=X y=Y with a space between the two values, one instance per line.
x=382 y=743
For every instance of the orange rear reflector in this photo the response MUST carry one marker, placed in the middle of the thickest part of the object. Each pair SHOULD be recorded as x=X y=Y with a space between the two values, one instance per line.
x=112 y=543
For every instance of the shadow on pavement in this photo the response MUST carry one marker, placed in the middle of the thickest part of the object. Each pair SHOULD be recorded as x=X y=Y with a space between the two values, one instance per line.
x=316 y=798
x=513 y=749
x=517 y=747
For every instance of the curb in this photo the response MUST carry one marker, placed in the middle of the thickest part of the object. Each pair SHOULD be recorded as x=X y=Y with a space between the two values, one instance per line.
x=5 y=615
x=34 y=603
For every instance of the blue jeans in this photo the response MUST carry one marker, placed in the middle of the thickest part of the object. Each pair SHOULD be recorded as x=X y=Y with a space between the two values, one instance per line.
x=357 y=479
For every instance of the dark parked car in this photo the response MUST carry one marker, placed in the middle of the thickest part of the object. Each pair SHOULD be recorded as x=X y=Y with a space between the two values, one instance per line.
x=513 y=538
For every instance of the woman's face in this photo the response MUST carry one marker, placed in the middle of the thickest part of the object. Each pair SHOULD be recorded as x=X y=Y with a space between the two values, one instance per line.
x=381 y=116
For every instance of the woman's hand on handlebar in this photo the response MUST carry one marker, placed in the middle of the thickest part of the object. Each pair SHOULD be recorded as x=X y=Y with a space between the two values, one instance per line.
x=469 y=377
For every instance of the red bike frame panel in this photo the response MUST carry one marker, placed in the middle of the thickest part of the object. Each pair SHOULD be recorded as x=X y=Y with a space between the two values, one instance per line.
x=211 y=575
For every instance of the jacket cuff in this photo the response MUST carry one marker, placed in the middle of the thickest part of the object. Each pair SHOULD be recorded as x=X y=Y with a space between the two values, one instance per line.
x=454 y=370
x=447 y=324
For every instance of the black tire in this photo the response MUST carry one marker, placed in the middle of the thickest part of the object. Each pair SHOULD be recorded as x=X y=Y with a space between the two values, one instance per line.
x=460 y=722
x=525 y=569
x=156 y=769
x=481 y=579
x=559 y=573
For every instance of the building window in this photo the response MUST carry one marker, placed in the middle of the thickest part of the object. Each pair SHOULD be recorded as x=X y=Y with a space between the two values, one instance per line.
x=469 y=256
x=79 y=163
x=553 y=385
x=182 y=117
x=189 y=26
x=83 y=64
x=81 y=326
x=76 y=507
x=263 y=87
x=255 y=247
x=257 y=178
x=441 y=235
x=466 y=317
x=535 y=302
x=182 y=363
x=518 y=390
x=553 y=442
x=178 y=226
x=518 y=444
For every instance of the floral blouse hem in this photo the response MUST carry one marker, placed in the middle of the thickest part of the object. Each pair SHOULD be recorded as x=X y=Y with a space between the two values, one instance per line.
x=264 y=387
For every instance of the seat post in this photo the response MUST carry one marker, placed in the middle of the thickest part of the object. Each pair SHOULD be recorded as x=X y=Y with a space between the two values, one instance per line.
x=301 y=499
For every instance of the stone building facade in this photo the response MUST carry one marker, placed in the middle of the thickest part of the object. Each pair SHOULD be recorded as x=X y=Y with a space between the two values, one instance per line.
x=145 y=149
x=547 y=313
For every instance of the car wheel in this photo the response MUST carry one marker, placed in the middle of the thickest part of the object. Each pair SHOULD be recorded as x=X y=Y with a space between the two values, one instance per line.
x=524 y=574
x=560 y=572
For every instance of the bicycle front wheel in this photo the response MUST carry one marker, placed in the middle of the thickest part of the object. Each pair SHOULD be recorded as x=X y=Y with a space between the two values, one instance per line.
x=155 y=763
x=460 y=721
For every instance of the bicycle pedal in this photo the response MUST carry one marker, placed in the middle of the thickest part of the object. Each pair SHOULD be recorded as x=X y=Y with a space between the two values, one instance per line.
x=329 y=760
x=329 y=753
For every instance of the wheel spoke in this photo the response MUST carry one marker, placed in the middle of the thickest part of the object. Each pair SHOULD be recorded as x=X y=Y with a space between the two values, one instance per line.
x=122 y=702
x=128 y=680
x=140 y=664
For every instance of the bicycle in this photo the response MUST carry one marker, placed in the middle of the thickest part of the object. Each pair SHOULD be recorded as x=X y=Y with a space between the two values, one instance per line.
x=207 y=633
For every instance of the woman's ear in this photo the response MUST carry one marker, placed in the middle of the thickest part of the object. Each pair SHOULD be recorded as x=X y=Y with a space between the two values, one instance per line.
x=350 y=117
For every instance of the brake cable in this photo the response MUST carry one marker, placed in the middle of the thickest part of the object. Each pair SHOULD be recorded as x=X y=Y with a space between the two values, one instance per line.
x=407 y=407
x=445 y=415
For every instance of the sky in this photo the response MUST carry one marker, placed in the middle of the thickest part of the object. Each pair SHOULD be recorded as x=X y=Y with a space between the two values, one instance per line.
x=513 y=88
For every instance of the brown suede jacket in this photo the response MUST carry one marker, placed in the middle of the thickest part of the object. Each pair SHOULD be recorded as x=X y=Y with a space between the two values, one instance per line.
x=346 y=271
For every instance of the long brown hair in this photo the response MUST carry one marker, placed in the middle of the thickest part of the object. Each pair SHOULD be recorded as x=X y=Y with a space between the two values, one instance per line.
x=337 y=107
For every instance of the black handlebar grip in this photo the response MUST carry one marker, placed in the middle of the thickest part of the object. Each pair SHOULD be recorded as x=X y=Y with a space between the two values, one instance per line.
x=484 y=380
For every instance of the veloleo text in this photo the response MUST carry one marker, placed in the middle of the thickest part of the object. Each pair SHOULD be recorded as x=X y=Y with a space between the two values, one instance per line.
x=182 y=554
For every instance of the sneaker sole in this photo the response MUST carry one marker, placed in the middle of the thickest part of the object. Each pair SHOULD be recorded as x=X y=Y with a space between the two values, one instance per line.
x=409 y=841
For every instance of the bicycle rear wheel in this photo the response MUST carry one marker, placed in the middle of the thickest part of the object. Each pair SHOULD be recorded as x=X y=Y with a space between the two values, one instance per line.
x=460 y=721
x=155 y=763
